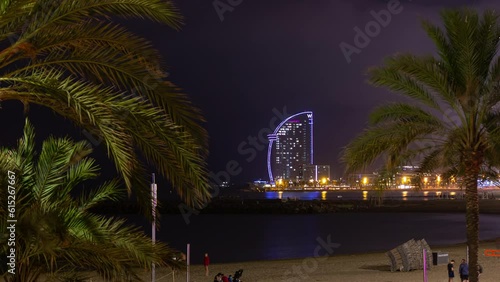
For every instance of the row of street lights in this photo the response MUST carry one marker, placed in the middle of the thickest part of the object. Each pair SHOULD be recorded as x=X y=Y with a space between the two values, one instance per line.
x=405 y=182
x=324 y=181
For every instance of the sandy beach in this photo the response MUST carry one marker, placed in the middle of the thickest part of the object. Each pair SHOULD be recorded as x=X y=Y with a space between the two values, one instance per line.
x=372 y=267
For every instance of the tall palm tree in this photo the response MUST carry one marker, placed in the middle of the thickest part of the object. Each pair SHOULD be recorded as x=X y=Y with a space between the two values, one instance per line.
x=451 y=119
x=74 y=57
x=57 y=234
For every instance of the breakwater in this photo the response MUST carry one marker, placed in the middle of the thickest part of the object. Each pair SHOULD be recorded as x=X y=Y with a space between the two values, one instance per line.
x=252 y=206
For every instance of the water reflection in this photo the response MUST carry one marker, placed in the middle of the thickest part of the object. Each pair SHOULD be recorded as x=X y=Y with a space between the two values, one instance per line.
x=270 y=195
x=276 y=236
x=345 y=195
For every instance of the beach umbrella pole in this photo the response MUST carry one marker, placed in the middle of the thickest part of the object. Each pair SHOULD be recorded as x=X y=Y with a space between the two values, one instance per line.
x=153 y=225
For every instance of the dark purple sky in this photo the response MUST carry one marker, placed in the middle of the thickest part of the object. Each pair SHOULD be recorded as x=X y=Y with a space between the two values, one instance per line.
x=272 y=54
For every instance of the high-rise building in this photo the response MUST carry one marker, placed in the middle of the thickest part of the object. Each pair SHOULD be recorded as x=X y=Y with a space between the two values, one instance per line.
x=315 y=173
x=290 y=147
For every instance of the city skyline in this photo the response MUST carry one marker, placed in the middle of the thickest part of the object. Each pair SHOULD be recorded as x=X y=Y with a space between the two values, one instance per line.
x=263 y=56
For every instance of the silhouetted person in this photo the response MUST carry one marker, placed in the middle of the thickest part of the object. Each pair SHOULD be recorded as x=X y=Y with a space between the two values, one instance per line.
x=464 y=271
x=206 y=263
x=451 y=271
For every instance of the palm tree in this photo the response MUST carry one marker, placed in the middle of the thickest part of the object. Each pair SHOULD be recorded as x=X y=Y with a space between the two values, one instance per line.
x=75 y=58
x=57 y=234
x=451 y=119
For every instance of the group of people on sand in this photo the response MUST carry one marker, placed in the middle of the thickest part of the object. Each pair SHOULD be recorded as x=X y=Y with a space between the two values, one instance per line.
x=463 y=270
x=220 y=277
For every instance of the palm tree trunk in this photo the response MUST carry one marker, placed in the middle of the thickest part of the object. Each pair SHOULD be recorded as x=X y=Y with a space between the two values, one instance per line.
x=472 y=167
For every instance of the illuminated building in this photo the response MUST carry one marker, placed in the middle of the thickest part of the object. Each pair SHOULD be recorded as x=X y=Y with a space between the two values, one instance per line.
x=315 y=172
x=290 y=147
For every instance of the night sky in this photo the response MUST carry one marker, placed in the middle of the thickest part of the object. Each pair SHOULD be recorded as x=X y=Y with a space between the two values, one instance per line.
x=265 y=55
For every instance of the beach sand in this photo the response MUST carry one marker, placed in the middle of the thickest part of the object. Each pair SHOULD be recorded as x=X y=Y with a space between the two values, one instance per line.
x=373 y=267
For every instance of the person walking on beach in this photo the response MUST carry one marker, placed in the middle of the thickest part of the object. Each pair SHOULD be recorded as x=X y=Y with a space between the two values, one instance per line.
x=206 y=263
x=464 y=271
x=451 y=271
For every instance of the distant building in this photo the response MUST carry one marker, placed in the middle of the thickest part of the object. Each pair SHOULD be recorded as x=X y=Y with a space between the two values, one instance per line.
x=290 y=147
x=315 y=172
x=408 y=168
x=260 y=184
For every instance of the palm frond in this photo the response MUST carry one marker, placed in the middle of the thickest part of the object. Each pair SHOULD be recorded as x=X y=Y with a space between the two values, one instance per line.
x=50 y=168
x=109 y=191
x=402 y=112
x=402 y=83
x=393 y=138
x=178 y=158
x=429 y=73
x=77 y=59
x=77 y=11
x=58 y=233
